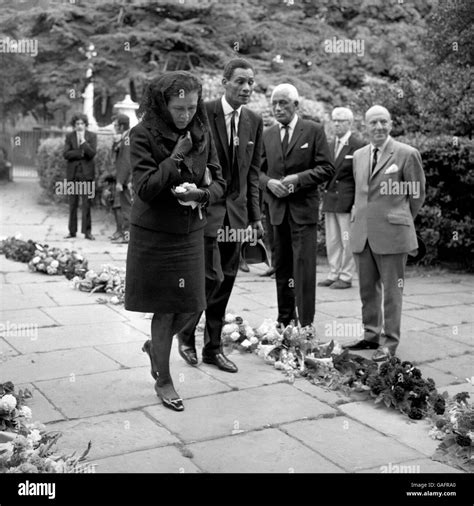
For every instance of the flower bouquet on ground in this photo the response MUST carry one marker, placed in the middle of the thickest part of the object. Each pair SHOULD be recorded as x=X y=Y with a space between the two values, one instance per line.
x=26 y=447
x=109 y=280
x=18 y=250
x=54 y=261
x=455 y=429
x=238 y=334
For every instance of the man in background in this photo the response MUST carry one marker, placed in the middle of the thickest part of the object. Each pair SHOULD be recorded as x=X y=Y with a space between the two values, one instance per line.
x=338 y=200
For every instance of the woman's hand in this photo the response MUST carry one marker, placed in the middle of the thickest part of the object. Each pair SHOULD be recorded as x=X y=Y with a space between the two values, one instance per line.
x=192 y=195
x=182 y=147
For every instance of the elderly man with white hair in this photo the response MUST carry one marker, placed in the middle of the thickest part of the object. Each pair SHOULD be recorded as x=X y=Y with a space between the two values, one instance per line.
x=338 y=200
x=295 y=160
x=389 y=192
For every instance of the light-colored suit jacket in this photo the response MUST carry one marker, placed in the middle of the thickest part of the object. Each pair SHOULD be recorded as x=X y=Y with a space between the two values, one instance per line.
x=386 y=204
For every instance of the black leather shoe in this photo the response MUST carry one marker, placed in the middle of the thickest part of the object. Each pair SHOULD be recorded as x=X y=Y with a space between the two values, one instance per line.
x=90 y=237
x=69 y=236
x=361 y=345
x=326 y=282
x=221 y=361
x=243 y=266
x=188 y=354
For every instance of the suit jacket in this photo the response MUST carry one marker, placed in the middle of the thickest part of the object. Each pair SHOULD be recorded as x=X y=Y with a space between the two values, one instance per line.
x=80 y=159
x=308 y=156
x=383 y=211
x=123 y=167
x=339 y=193
x=154 y=173
x=245 y=208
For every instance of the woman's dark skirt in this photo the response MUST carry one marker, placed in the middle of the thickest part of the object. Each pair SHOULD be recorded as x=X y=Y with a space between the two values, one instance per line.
x=165 y=272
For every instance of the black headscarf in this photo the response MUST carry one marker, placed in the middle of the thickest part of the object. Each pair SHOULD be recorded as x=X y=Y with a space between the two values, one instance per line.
x=156 y=116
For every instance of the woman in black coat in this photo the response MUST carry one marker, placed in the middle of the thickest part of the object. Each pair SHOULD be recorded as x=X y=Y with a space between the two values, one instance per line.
x=165 y=262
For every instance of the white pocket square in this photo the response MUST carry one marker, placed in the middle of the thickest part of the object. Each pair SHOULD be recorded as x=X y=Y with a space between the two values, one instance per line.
x=304 y=146
x=250 y=143
x=391 y=169
x=348 y=157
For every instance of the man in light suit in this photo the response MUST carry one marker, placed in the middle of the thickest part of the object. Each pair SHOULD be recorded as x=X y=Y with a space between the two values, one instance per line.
x=79 y=151
x=295 y=160
x=390 y=190
x=237 y=133
x=338 y=200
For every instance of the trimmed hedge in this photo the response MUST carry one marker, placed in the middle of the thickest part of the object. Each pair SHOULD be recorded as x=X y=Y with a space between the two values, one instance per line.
x=445 y=221
x=51 y=165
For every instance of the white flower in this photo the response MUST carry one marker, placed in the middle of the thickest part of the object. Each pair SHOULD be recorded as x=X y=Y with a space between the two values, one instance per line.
x=229 y=318
x=253 y=340
x=249 y=331
x=229 y=328
x=245 y=343
x=35 y=435
x=35 y=260
x=8 y=403
x=279 y=365
x=25 y=411
x=54 y=264
x=114 y=300
x=235 y=336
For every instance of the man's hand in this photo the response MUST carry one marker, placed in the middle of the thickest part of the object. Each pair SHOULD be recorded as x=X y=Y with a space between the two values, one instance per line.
x=129 y=186
x=191 y=195
x=119 y=187
x=277 y=188
x=257 y=225
x=290 y=182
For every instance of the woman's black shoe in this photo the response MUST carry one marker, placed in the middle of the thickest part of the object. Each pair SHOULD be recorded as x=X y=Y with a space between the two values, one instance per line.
x=176 y=404
x=147 y=349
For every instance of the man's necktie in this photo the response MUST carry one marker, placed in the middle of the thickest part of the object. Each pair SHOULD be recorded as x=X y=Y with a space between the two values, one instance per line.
x=374 y=161
x=336 y=147
x=234 y=186
x=286 y=137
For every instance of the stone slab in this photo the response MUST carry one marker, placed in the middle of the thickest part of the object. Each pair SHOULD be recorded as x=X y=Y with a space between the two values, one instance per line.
x=78 y=336
x=410 y=321
x=415 y=466
x=419 y=347
x=453 y=315
x=460 y=367
x=110 y=435
x=346 y=443
x=43 y=410
x=440 y=299
x=341 y=309
x=460 y=333
x=394 y=425
x=467 y=386
x=331 y=397
x=263 y=451
x=6 y=351
x=19 y=301
x=222 y=415
x=126 y=389
x=74 y=315
x=253 y=371
x=7 y=290
x=30 y=277
x=160 y=460
x=415 y=286
x=56 y=364
x=30 y=317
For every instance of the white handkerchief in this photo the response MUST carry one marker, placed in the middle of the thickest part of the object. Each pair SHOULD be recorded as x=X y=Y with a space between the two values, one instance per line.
x=391 y=169
x=304 y=146
x=348 y=157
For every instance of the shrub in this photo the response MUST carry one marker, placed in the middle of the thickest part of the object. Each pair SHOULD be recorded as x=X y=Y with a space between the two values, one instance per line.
x=52 y=165
x=445 y=221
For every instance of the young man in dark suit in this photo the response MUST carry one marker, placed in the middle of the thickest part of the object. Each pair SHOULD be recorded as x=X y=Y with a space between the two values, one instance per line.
x=338 y=200
x=123 y=174
x=79 y=151
x=237 y=133
x=296 y=159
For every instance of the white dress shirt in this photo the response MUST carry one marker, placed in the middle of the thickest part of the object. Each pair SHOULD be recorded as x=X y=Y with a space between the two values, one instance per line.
x=291 y=129
x=228 y=110
x=342 y=141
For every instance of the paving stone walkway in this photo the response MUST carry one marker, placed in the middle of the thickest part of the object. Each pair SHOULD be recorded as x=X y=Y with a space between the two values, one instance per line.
x=91 y=381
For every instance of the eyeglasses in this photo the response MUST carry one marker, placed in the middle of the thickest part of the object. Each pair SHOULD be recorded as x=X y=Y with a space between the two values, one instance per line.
x=340 y=120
